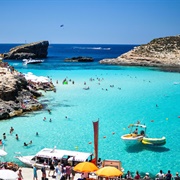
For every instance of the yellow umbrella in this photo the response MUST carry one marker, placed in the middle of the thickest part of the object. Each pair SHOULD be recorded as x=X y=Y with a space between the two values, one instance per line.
x=85 y=167
x=109 y=171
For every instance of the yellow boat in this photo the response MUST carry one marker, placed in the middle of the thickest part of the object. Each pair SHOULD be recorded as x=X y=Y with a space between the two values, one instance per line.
x=154 y=141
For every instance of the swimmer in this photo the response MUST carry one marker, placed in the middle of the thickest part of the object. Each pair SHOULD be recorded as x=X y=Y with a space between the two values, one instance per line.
x=11 y=130
x=37 y=134
x=44 y=119
x=17 y=138
x=49 y=111
x=25 y=144
x=50 y=120
x=4 y=136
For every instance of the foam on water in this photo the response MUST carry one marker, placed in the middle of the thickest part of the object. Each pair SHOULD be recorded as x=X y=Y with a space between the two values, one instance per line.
x=134 y=97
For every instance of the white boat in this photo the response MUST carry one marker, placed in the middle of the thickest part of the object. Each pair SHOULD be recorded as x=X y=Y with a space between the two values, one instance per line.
x=32 y=61
x=134 y=137
x=46 y=154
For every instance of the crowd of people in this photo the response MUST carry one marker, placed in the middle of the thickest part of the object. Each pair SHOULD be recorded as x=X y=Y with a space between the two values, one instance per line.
x=159 y=176
x=56 y=170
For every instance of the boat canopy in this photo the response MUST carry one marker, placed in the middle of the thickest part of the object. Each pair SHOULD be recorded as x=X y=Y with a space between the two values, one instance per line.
x=59 y=154
x=137 y=125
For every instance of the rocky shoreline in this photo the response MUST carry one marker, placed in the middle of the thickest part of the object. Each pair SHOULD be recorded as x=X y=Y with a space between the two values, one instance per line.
x=162 y=53
x=17 y=94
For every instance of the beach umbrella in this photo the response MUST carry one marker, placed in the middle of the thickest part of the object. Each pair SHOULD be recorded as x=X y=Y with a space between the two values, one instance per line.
x=85 y=167
x=108 y=171
x=7 y=174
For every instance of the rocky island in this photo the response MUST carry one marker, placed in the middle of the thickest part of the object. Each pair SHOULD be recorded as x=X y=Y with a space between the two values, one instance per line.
x=161 y=52
x=19 y=95
x=32 y=50
x=79 y=59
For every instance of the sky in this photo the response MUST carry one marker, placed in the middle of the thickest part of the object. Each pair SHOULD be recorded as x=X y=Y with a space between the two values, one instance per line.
x=88 y=21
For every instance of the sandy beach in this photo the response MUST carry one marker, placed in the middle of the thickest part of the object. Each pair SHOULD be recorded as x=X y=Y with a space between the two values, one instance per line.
x=28 y=174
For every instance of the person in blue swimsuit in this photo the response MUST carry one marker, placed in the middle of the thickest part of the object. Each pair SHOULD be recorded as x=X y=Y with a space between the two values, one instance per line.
x=35 y=172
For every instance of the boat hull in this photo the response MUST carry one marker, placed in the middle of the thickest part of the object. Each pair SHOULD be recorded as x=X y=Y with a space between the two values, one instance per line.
x=154 y=141
x=131 y=139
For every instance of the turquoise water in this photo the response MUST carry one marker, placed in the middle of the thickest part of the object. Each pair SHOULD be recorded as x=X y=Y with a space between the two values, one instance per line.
x=141 y=89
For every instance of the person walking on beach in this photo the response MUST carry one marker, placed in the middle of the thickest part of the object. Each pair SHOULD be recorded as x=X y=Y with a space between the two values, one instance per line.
x=43 y=170
x=176 y=177
x=35 y=172
x=128 y=176
x=58 y=171
x=51 y=167
x=146 y=176
x=137 y=176
x=160 y=175
x=20 y=177
x=68 y=171
x=168 y=176
x=73 y=173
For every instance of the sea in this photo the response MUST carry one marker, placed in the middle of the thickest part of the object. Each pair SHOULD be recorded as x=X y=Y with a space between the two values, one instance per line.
x=118 y=96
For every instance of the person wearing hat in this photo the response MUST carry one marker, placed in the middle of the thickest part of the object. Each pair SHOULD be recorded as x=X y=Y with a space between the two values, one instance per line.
x=176 y=177
x=146 y=176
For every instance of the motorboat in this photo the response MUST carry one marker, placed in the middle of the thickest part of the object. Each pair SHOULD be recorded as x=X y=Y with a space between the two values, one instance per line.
x=47 y=154
x=154 y=141
x=134 y=136
x=32 y=61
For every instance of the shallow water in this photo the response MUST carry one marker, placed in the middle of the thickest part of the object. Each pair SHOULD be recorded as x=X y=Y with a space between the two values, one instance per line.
x=134 y=97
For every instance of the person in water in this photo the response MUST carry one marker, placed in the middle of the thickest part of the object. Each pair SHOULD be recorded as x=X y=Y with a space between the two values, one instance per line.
x=4 y=136
x=17 y=138
x=25 y=144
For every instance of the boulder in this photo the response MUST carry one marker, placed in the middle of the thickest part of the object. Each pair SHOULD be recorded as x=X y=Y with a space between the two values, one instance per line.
x=26 y=51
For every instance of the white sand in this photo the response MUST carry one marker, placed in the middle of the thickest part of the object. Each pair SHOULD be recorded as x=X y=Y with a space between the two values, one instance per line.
x=28 y=174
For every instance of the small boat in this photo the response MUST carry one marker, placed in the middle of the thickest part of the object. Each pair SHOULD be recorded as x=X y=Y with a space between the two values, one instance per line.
x=32 y=61
x=46 y=154
x=134 y=137
x=154 y=141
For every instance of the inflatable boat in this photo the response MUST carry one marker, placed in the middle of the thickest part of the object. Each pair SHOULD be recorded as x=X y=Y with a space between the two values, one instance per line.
x=154 y=141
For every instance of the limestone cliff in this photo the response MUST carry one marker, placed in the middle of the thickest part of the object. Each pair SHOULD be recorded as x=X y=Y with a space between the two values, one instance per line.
x=160 y=52
x=32 y=50
x=17 y=95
